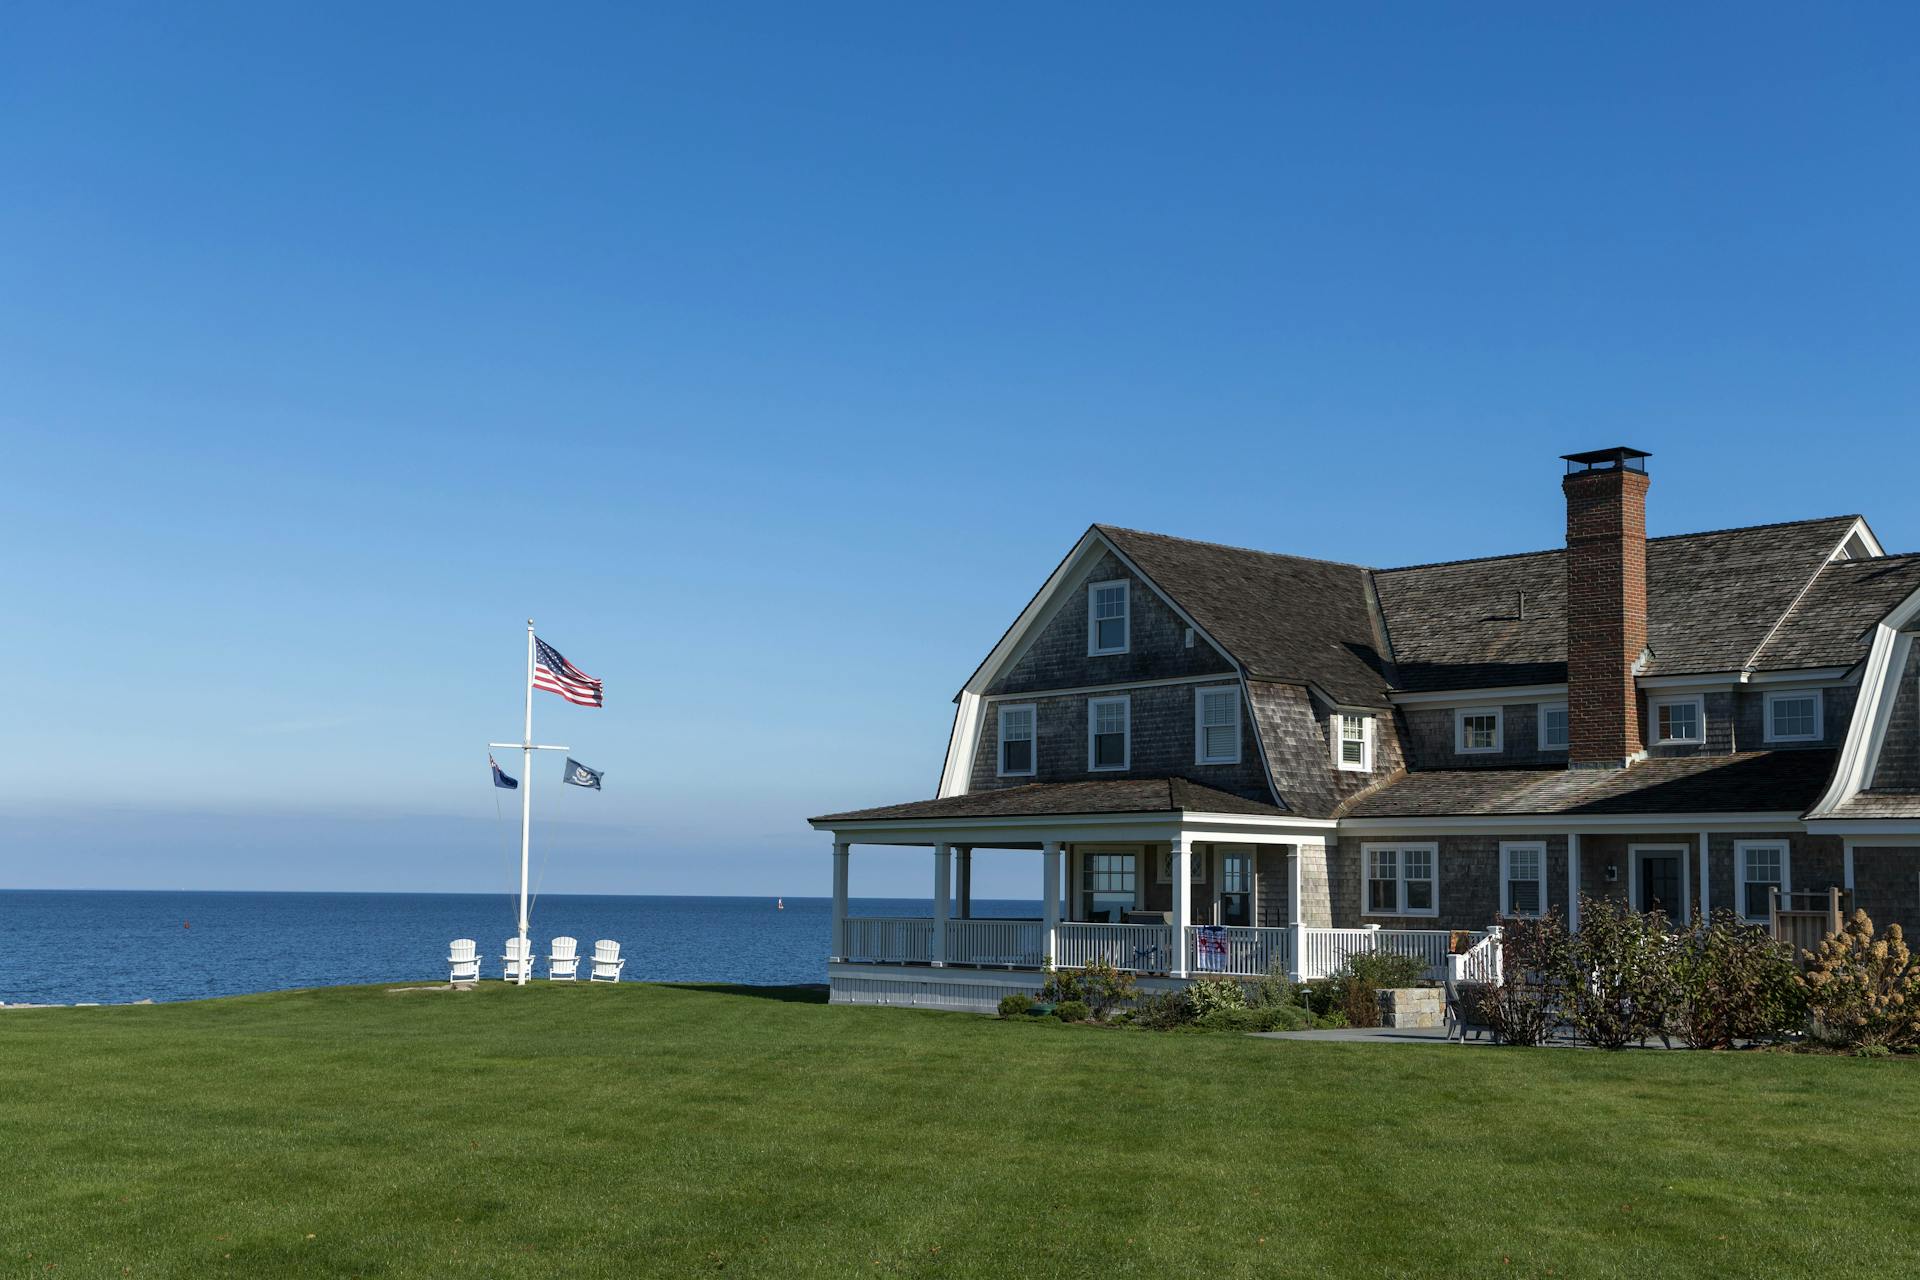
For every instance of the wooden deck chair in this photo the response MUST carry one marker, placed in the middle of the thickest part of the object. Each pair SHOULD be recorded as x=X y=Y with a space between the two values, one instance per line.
x=516 y=960
x=463 y=961
x=564 y=964
x=606 y=962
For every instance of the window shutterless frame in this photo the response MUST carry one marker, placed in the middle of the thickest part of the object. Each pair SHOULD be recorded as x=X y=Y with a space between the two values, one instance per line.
x=1109 y=617
x=1019 y=723
x=1478 y=731
x=1407 y=874
x=1796 y=715
x=1523 y=863
x=1760 y=863
x=1352 y=741
x=1216 y=724
x=1108 y=719
x=1554 y=712
x=1669 y=717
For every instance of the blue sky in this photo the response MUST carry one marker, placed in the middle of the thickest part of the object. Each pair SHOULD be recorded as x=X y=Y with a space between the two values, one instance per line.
x=770 y=356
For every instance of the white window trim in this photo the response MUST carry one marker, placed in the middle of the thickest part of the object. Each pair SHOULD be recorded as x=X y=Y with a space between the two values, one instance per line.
x=1033 y=756
x=1400 y=877
x=1653 y=721
x=1093 y=621
x=1540 y=726
x=1460 y=715
x=1819 y=715
x=1126 y=734
x=1084 y=865
x=1740 y=851
x=1507 y=849
x=1200 y=693
x=1335 y=732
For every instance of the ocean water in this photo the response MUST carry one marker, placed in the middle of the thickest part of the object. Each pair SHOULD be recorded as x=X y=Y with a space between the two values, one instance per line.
x=70 y=946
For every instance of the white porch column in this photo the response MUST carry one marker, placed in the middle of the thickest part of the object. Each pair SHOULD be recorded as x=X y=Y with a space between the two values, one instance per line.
x=1182 y=902
x=837 y=948
x=1296 y=918
x=1573 y=880
x=1846 y=870
x=1050 y=901
x=963 y=875
x=942 y=900
x=1706 y=878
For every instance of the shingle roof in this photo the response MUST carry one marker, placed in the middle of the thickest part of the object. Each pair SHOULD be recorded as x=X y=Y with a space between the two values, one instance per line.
x=1755 y=781
x=1711 y=600
x=1830 y=625
x=1284 y=618
x=1041 y=799
x=1877 y=804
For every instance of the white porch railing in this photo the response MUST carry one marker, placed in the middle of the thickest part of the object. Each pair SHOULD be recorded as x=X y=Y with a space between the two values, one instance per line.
x=881 y=939
x=1012 y=944
x=1249 y=952
x=1138 y=948
x=1325 y=949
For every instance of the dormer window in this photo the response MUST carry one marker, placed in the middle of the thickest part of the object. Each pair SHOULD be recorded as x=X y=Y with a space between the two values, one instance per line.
x=1353 y=742
x=1216 y=725
x=1106 y=617
x=1679 y=722
x=1554 y=731
x=1476 y=730
x=1794 y=716
x=1017 y=740
x=1108 y=732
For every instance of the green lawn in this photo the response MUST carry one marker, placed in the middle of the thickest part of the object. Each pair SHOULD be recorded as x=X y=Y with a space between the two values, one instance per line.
x=641 y=1130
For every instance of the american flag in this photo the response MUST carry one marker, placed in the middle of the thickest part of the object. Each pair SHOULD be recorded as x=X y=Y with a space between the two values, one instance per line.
x=556 y=675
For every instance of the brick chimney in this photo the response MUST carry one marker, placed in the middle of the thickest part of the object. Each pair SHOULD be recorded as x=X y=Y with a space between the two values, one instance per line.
x=1606 y=605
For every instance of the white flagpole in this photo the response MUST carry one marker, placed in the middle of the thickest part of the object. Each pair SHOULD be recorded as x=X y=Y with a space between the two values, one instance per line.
x=526 y=809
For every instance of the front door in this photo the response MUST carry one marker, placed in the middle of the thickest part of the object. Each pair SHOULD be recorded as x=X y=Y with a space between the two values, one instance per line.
x=1236 y=888
x=1660 y=884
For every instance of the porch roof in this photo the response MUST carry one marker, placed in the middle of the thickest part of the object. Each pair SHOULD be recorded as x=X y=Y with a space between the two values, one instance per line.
x=1050 y=799
x=1878 y=804
x=1748 y=782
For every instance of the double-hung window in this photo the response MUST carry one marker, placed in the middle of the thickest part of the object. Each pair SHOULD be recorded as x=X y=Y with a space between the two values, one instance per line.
x=1216 y=725
x=1108 y=731
x=1106 y=617
x=1400 y=880
x=1353 y=742
x=1017 y=740
x=1476 y=730
x=1679 y=722
x=1555 y=729
x=1760 y=867
x=1523 y=878
x=1794 y=716
x=1109 y=884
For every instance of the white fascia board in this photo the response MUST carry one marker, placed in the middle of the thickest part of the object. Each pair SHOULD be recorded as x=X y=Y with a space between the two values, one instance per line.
x=1702 y=682
x=1869 y=833
x=1465 y=697
x=1080 y=828
x=1584 y=824
x=1807 y=676
x=961 y=745
x=1859 y=529
x=1872 y=712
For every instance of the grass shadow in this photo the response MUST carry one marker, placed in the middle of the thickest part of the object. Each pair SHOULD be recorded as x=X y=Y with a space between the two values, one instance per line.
x=806 y=993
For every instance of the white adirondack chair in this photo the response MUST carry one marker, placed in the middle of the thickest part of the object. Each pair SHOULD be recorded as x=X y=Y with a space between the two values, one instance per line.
x=516 y=960
x=463 y=960
x=606 y=962
x=564 y=964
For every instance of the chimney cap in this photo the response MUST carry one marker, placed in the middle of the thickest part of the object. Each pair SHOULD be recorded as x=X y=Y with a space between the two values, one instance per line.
x=1618 y=458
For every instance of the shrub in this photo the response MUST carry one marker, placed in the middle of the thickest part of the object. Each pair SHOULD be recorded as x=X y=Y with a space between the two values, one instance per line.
x=1732 y=982
x=1208 y=995
x=1385 y=970
x=1863 y=990
x=1012 y=1006
x=1072 y=1011
x=1317 y=995
x=1359 y=1000
x=1163 y=1011
x=1621 y=984
x=1100 y=986
x=1274 y=990
x=1535 y=958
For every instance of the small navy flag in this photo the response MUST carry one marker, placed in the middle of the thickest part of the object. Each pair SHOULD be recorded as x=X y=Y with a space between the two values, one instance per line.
x=500 y=779
x=578 y=775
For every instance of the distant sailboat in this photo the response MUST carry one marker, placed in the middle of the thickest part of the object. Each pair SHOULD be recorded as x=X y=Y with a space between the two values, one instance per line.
x=779 y=904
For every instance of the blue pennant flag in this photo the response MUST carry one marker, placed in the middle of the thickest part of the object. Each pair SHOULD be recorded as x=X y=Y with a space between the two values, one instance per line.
x=500 y=779
x=578 y=775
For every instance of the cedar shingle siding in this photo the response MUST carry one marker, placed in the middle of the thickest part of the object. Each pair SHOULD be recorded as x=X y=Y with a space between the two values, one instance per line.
x=1899 y=768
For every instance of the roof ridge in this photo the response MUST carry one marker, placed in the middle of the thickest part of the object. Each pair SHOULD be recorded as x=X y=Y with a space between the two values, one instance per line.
x=1228 y=546
x=1665 y=537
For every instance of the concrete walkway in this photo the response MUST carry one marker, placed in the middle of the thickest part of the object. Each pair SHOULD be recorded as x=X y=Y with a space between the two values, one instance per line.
x=1429 y=1035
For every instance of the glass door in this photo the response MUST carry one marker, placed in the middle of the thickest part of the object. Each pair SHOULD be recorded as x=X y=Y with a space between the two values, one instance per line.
x=1236 y=888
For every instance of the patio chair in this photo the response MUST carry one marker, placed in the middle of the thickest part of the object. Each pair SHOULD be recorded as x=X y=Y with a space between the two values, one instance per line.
x=564 y=964
x=1464 y=1015
x=518 y=960
x=463 y=961
x=607 y=962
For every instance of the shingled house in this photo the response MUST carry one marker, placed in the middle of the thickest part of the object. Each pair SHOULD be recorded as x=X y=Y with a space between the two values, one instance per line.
x=1301 y=752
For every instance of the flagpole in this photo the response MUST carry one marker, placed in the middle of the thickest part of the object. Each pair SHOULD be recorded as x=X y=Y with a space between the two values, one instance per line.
x=526 y=808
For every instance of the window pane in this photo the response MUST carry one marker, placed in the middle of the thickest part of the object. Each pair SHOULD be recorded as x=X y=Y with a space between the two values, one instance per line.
x=1113 y=633
x=1383 y=896
x=1419 y=895
x=1523 y=897
x=1419 y=864
x=1109 y=717
x=1759 y=899
x=1110 y=750
x=1524 y=864
x=1353 y=752
x=1381 y=863
x=1018 y=757
x=1793 y=718
x=1680 y=721
x=1478 y=732
x=1554 y=726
